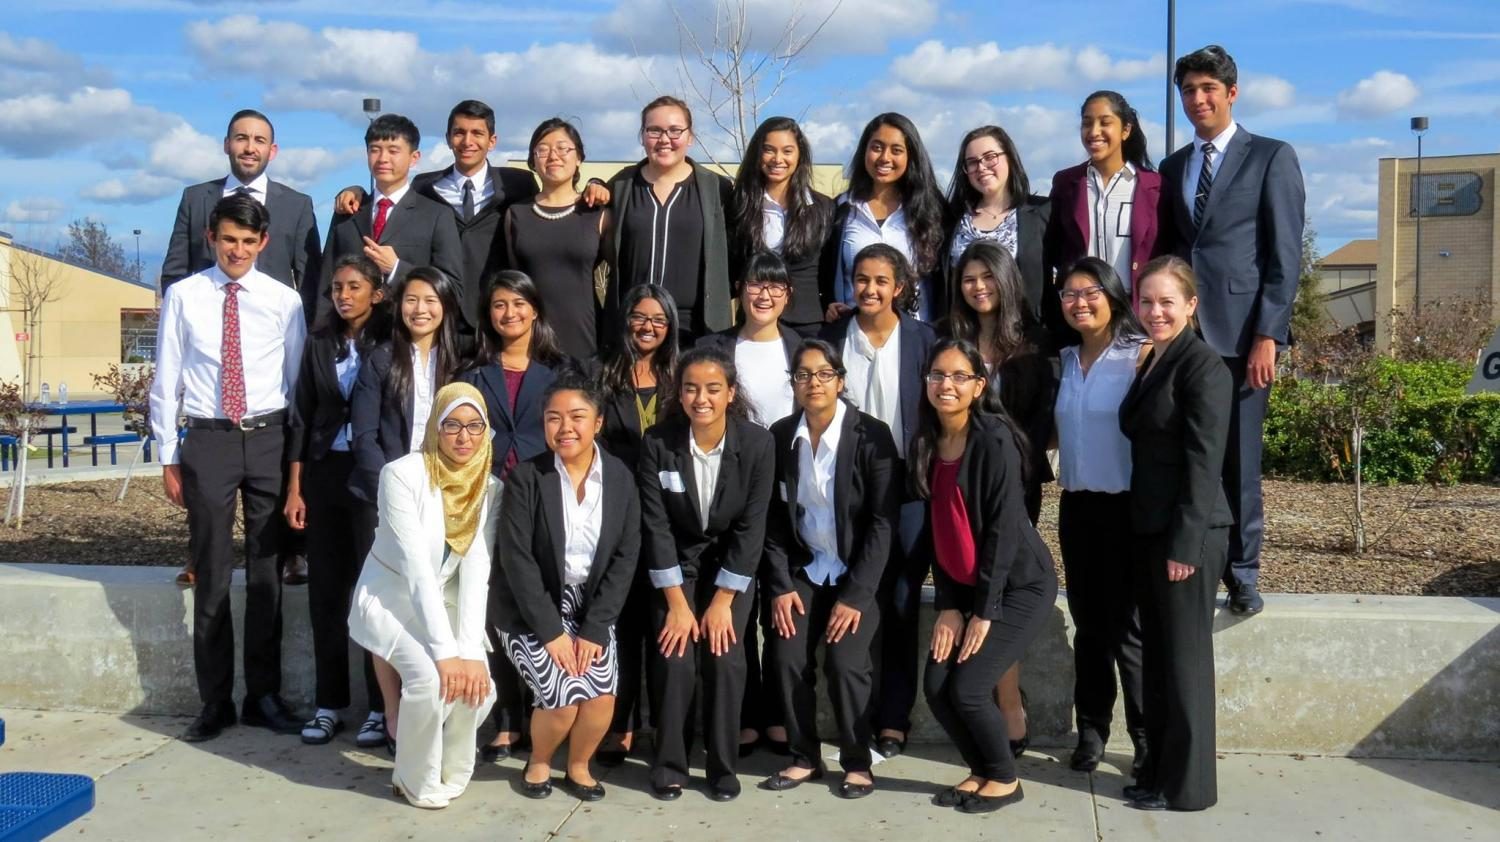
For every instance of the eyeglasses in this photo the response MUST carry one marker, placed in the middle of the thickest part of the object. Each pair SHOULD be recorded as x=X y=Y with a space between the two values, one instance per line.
x=673 y=132
x=959 y=378
x=987 y=160
x=773 y=288
x=641 y=320
x=1089 y=294
x=473 y=428
x=542 y=150
x=824 y=375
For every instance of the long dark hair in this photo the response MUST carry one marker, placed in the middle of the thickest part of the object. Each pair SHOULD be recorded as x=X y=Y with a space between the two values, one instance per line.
x=923 y=447
x=377 y=328
x=616 y=375
x=962 y=197
x=807 y=221
x=1134 y=145
x=906 y=300
x=740 y=408
x=919 y=188
x=1012 y=314
x=1123 y=322
x=446 y=344
x=544 y=348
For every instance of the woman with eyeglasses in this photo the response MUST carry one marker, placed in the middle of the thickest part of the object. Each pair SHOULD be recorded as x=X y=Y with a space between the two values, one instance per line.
x=991 y=572
x=828 y=541
x=776 y=209
x=636 y=380
x=669 y=222
x=557 y=239
x=1094 y=472
x=989 y=200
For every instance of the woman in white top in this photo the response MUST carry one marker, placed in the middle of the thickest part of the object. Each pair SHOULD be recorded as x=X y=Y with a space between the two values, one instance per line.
x=1094 y=516
x=419 y=605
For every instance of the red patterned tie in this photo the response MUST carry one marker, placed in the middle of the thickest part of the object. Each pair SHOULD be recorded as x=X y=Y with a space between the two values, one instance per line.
x=383 y=207
x=231 y=362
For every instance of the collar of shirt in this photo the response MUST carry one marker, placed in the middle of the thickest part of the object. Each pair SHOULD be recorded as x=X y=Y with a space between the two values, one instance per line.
x=247 y=281
x=592 y=482
x=1125 y=173
x=893 y=223
x=395 y=196
x=712 y=453
x=454 y=181
x=258 y=186
x=1220 y=142
x=829 y=441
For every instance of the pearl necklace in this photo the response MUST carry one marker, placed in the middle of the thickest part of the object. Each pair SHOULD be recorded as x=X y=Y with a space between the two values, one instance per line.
x=553 y=215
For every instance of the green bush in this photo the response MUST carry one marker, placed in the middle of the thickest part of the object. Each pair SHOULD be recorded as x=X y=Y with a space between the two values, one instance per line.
x=1436 y=432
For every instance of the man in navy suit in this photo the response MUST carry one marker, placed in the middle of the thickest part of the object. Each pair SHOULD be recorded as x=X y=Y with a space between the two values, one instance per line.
x=292 y=253
x=1238 y=208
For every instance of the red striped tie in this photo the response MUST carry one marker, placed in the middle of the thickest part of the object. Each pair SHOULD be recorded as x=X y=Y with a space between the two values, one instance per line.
x=231 y=361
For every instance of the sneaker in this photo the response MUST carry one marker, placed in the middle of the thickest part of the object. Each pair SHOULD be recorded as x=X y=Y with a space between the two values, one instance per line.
x=321 y=728
x=372 y=732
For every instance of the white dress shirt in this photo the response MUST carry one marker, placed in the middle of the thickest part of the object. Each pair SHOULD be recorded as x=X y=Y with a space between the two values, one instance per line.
x=873 y=379
x=1092 y=453
x=451 y=188
x=816 y=522
x=1195 y=163
x=258 y=186
x=423 y=387
x=706 y=475
x=763 y=379
x=773 y=223
x=1110 y=208
x=347 y=371
x=189 y=342
x=860 y=230
x=583 y=522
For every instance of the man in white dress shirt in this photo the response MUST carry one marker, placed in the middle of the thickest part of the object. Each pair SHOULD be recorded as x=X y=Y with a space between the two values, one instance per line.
x=228 y=350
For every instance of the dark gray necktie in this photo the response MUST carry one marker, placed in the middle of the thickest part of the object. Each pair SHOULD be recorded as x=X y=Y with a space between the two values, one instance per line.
x=468 y=200
x=1205 y=183
x=244 y=191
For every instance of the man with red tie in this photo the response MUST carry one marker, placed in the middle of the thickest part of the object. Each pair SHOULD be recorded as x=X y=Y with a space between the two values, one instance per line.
x=229 y=346
x=397 y=227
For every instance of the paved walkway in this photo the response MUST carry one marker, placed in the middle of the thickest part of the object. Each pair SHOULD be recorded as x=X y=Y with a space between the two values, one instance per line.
x=253 y=785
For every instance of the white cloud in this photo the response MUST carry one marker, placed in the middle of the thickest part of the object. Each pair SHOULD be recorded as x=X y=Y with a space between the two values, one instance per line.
x=34 y=66
x=43 y=124
x=137 y=188
x=1264 y=93
x=36 y=209
x=1378 y=95
x=987 y=68
x=649 y=27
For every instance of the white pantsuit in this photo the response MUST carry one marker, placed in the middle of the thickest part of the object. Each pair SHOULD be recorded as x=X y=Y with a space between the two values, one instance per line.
x=415 y=604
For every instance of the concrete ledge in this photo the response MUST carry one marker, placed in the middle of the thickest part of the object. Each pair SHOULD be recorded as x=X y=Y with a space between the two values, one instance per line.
x=1415 y=677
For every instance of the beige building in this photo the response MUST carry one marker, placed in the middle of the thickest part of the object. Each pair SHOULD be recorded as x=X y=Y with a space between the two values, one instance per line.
x=87 y=321
x=828 y=179
x=1460 y=234
x=1347 y=283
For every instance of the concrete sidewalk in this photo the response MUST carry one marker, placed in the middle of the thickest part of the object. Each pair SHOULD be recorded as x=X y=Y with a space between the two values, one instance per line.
x=252 y=785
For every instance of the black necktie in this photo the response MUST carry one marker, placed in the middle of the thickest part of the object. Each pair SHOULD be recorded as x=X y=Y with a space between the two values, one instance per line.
x=242 y=190
x=468 y=200
x=1205 y=183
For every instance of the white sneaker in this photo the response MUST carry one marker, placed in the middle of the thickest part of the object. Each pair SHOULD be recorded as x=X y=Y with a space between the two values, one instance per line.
x=372 y=732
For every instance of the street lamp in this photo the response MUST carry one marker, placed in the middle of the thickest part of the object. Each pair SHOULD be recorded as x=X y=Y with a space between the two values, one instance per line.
x=372 y=110
x=1171 y=87
x=1418 y=128
x=138 y=273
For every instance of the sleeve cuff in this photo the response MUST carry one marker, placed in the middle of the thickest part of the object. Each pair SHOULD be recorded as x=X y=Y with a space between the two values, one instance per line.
x=166 y=449
x=668 y=578
x=443 y=651
x=732 y=581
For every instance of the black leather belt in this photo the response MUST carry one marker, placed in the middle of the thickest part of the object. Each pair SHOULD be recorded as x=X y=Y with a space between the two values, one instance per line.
x=250 y=422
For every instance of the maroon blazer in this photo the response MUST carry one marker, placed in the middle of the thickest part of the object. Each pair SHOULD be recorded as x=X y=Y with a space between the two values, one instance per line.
x=1068 y=230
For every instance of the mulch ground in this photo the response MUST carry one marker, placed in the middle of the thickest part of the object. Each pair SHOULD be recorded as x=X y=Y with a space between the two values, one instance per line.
x=1437 y=541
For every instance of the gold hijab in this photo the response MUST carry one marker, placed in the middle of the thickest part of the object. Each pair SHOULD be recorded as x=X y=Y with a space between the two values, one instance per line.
x=462 y=486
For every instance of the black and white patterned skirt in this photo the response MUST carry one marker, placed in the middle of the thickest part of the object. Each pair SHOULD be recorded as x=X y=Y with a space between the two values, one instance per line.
x=552 y=687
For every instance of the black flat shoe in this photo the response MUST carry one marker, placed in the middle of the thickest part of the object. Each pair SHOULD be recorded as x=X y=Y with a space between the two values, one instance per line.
x=977 y=803
x=1089 y=752
x=781 y=783
x=950 y=797
x=538 y=791
x=1153 y=802
x=666 y=793
x=581 y=792
x=494 y=754
x=611 y=758
x=1018 y=747
x=211 y=722
x=1135 y=792
x=889 y=747
x=270 y=712
x=852 y=791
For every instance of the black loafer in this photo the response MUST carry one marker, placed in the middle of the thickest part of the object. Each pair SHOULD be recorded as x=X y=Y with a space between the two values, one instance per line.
x=211 y=722
x=977 y=803
x=1246 y=601
x=538 y=791
x=1153 y=802
x=666 y=793
x=781 y=783
x=581 y=792
x=724 y=792
x=889 y=747
x=1089 y=752
x=950 y=797
x=270 y=712
x=852 y=791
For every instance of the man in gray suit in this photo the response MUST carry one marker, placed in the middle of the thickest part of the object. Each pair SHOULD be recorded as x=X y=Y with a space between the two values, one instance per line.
x=1238 y=208
x=293 y=252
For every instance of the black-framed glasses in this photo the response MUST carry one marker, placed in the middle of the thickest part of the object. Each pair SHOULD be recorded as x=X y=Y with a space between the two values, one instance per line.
x=1089 y=294
x=824 y=375
x=452 y=428
x=641 y=320
x=959 y=378
x=657 y=132
x=987 y=160
x=542 y=150
x=773 y=288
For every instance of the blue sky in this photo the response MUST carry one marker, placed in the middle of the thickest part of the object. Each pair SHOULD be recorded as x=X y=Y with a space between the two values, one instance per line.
x=107 y=109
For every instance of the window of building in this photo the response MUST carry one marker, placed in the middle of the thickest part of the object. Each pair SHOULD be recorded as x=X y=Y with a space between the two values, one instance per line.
x=137 y=336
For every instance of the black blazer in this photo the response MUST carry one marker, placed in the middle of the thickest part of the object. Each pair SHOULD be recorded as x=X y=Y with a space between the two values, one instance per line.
x=866 y=499
x=917 y=339
x=1031 y=235
x=520 y=428
x=291 y=256
x=1028 y=390
x=1177 y=419
x=526 y=585
x=735 y=538
x=482 y=238
x=381 y=424
x=319 y=409
x=1009 y=552
x=1247 y=250
x=420 y=230
x=808 y=285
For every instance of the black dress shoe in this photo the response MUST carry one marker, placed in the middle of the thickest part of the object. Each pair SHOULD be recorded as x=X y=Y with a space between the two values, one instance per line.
x=211 y=722
x=538 y=791
x=725 y=790
x=977 y=803
x=1018 y=747
x=494 y=754
x=1154 y=801
x=852 y=791
x=270 y=712
x=890 y=746
x=1089 y=752
x=781 y=783
x=666 y=793
x=1246 y=601
x=1136 y=792
x=581 y=792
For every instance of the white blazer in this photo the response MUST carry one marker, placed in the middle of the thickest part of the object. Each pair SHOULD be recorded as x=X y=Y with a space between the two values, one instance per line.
x=407 y=587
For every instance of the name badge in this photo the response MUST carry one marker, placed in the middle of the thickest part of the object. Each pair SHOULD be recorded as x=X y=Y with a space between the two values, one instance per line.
x=671 y=481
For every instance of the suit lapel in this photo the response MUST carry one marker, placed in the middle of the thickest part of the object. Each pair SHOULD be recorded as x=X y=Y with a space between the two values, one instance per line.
x=499 y=399
x=1234 y=156
x=536 y=380
x=362 y=220
x=611 y=521
x=1152 y=376
x=911 y=374
x=1180 y=210
x=1142 y=215
x=687 y=472
x=843 y=469
x=552 y=510
x=791 y=468
x=729 y=467
x=401 y=214
x=1081 y=215
x=432 y=518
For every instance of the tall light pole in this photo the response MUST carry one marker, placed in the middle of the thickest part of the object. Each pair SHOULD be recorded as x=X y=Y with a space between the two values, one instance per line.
x=1418 y=128
x=138 y=273
x=372 y=110
x=1171 y=88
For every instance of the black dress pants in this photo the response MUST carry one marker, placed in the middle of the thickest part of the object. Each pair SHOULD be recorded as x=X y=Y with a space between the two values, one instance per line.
x=334 y=538
x=896 y=658
x=1247 y=422
x=721 y=693
x=1177 y=648
x=1094 y=534
x=633 y=637
x=962 y=695
x=762 y=705
x=846 y=665
x=220 y=467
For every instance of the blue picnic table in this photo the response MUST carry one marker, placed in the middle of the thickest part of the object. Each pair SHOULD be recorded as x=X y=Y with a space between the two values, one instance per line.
x=93 y=409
